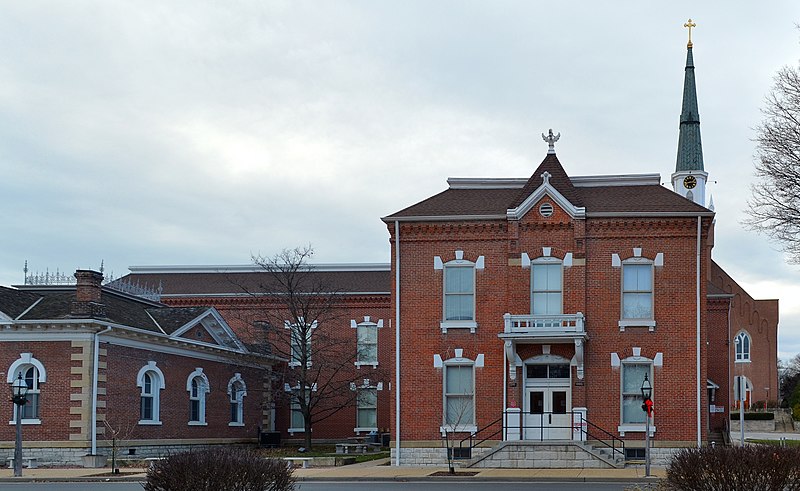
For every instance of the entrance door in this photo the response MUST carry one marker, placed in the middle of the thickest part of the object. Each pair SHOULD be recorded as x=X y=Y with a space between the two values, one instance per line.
x=547 y=414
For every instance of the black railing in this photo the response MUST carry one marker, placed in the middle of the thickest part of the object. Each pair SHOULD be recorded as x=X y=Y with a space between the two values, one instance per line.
x=543 y=431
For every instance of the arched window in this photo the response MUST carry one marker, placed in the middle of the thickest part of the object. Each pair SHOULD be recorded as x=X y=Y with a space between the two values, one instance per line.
x=236 y=392
x=151 y=381
x=34 y=374
x=742 y=342
x=197 y=385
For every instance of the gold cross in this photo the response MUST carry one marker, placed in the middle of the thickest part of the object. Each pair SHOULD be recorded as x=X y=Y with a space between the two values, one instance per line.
x=689 y=25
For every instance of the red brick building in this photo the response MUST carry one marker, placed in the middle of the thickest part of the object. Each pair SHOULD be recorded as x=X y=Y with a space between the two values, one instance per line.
x=100 y=362
x=357 y=331
x=531 y=310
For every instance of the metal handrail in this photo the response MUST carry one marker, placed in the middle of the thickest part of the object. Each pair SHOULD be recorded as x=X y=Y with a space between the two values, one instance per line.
x=588 y=431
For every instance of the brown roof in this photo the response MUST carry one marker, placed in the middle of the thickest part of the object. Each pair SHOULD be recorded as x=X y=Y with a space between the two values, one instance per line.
x=597 y=199
x=224 y=283
x=558 y=179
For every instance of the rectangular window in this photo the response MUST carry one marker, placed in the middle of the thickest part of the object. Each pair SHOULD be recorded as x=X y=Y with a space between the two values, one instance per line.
x=367 y=402
x=30 y=410
x=459 y=395
x=300 y=350
x=637 y=291
x=297 y=422
x=367 y=343
x=546 y=292
x=459 y=293
x=147 y=408
x=632 y=378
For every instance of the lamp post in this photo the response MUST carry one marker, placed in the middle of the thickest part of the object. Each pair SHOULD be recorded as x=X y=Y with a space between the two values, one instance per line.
x=647 y=407
x=19 y=391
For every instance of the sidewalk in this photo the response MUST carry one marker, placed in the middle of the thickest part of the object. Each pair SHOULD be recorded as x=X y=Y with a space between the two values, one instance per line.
x=367 y=471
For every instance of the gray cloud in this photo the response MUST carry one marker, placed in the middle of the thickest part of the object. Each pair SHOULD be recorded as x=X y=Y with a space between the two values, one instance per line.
x=200 y=133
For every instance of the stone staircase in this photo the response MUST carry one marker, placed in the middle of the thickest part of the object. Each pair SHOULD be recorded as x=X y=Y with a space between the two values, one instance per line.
x=717 y=438
x=547 y=455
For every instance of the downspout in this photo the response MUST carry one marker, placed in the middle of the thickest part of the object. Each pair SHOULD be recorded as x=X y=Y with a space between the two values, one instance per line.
x=699 y=414
x=397 y=340
x=95 y=370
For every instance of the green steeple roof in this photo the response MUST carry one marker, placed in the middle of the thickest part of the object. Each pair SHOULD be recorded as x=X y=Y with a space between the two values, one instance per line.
x=690 y=149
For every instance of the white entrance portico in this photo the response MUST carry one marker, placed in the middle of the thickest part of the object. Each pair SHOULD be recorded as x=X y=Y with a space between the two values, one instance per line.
x=547 y=412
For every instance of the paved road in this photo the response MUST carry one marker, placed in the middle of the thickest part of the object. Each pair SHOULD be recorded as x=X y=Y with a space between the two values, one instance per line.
x=350 y=486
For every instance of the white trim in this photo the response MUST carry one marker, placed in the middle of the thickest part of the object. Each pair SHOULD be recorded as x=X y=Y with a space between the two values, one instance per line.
x=34 y=304
x=212 y=312
x=635 y=428
x=26 y=422
x=26 y=359
x=486 y=183
x=158 y=385
x=546 y=189
x=458 y=429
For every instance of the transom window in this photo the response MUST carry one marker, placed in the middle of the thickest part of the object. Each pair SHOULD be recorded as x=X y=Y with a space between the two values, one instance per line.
x=551 y=370
x=459 y=292
x=637 y=291
x=632 y=378
x=742 y=342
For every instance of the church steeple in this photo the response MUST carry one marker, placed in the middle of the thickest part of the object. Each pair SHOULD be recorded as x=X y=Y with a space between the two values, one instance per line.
x=689 y=178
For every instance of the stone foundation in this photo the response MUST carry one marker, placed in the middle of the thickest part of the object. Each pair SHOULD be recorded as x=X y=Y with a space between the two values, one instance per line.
x=71 y=456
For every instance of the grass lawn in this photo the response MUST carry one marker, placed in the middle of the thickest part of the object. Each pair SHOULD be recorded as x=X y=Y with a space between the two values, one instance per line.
x=777 y=443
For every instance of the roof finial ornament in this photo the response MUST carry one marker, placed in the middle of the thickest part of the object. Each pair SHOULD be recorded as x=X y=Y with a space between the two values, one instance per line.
x=689 y=25
x=551 y=140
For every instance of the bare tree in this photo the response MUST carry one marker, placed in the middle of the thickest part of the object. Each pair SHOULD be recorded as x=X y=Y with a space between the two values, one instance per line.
x=774 y=207
x=301 y=318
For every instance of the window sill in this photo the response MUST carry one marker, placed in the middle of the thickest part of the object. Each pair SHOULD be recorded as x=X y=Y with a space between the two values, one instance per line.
x=295 y=364
x=458 y=429
x=292 y=431
x=635 y=428
x=471 y=325
x=742 y=361
x=36 y=421
x=365 y=430
x=649 y=324
x=235 y=424
x=373 y=364
x=198 y=423
x=149 y=422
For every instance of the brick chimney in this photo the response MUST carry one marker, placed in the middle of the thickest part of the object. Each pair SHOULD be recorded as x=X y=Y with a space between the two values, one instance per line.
x=87 y=295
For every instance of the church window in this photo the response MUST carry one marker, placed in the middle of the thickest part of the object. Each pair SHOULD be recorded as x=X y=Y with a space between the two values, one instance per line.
x=237 y=390
x=742 y=343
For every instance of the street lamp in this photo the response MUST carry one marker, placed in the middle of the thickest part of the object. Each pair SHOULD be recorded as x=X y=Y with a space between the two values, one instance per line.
x=647 y=407
x=19 y=392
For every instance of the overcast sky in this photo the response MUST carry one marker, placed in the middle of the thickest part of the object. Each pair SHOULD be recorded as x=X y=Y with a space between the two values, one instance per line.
x=155 y=133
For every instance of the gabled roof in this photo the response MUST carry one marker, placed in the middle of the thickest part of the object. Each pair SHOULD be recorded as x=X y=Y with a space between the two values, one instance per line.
x=558 y=179
x=54 y=303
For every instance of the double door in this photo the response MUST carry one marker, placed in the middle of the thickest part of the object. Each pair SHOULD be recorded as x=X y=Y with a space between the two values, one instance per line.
x=547 y=413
